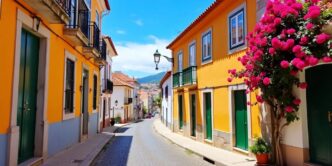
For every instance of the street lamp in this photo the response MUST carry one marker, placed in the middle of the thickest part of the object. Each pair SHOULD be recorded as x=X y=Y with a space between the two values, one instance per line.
x=157 y=56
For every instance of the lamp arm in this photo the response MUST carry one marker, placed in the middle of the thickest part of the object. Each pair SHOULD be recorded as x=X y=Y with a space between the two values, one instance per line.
x=169 y=59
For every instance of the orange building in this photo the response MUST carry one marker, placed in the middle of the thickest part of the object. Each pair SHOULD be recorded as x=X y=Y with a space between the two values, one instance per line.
x=49 y=76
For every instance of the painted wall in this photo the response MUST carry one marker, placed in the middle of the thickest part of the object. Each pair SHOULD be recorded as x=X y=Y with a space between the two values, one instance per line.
x=214 y=74
x=3 y=148
x=62 y=135
x=167 y=105
x=93 y=124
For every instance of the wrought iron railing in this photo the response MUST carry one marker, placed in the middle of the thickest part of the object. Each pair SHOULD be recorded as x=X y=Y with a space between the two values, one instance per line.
x=177 y=79
x=65 y=5
x=189 y=75
x=107 y=86
x=94 y=37
x=103 y=49
x=79 y=17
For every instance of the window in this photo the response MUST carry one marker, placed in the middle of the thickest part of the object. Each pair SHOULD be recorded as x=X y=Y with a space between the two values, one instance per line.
x=236 y=29
x=207 y=46
x=94 y=92
x=97 y=18
x=166 y=92
x=180 y=56
x=192 y=54
x=69 y=86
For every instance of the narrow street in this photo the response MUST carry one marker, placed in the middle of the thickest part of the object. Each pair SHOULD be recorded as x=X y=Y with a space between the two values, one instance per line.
x=139 y=144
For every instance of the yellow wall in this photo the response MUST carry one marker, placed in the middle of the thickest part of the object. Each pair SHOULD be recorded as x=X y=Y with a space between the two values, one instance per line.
x=214 y=75
x=56 y=65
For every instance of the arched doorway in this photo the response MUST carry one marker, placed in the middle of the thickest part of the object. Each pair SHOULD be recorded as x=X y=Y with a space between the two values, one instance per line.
x=319 y=107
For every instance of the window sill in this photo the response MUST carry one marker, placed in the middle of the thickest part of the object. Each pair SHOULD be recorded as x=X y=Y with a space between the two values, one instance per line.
x=67 y=116
x=235 y=50
x=206 y=62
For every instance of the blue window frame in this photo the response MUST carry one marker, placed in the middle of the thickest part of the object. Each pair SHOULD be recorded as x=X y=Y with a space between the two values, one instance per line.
x=207 y=46
x=236 y=22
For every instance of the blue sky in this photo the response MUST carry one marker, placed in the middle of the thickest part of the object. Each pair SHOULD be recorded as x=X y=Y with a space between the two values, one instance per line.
x=139 y=27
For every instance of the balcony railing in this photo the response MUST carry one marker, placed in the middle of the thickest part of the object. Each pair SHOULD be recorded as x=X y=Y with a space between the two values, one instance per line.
x=55 y=11
x=94 y=36
x=78 y=29
x=128 y=100
x=189 y=76
x=103 y=50
x=107 y=86
x=177 y=79
x=65 y=5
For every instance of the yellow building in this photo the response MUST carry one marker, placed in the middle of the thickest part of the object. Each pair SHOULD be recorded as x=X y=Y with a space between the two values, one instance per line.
x=51 y=57
x=206 y=106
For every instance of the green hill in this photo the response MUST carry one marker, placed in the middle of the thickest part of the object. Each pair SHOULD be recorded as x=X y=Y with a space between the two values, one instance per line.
x=152 y=78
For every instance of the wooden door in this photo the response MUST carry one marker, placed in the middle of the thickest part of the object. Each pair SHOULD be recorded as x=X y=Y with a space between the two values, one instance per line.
x=27 y=97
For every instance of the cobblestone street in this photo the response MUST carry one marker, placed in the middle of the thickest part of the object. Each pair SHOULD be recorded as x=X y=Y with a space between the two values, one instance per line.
x=139 y=144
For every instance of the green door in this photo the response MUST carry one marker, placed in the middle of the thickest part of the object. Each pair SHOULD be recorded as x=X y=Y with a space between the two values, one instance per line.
x=180 y=100
x=241 y=126
x=85 y=104
x=193 y=115
x=319 y=107
x=208 y=116
x=27 y=97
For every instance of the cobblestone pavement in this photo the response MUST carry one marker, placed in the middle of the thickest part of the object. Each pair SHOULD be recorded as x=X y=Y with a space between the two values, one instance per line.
x=139 y=145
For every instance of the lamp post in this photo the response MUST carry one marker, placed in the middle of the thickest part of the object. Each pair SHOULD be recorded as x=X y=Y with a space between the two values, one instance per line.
x=113 y=120
x=157 y=56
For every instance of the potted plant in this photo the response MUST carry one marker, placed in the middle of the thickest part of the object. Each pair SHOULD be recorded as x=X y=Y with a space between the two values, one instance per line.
x=112 y=121
x=261 y=149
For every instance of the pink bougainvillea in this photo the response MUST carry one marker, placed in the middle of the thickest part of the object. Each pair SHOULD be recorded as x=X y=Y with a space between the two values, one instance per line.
x=284 y=42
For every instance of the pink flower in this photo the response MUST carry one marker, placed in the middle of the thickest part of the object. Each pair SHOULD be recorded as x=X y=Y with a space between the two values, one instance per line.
x=309 y=26
x=272 y=51
x=297 y=101
x=313 y=12
x=291 y=31
x=289 y=109
x=327 y=59
x=229 y=79
x=259 y=99
x=293 y=72
x=304 y=40
x=277 y=21
x=297 y=6
x=303 y=85
x=322 y=38
x=266 y=81
x=276 y=43
x=297 y=49
x=284 y=64
x=313 y=61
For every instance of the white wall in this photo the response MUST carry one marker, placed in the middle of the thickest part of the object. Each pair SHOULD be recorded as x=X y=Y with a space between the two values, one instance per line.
x=167 y=104
x=118 y=94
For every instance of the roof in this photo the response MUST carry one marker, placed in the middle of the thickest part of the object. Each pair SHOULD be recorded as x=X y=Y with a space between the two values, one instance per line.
x=107 y=5
x=166 y=76
x=112 y=44
x=120 y=79
x=196 y=21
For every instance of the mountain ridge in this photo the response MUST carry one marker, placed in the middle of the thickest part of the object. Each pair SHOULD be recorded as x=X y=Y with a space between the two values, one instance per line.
x=155 y=78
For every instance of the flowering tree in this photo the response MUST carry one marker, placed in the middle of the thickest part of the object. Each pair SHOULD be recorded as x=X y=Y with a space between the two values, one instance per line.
x=286 y=40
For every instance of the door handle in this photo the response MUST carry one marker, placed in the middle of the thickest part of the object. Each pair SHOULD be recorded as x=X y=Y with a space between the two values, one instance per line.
x=26 y=107
x=329 y=116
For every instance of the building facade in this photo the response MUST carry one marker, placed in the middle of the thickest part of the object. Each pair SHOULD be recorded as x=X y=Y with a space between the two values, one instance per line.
x=166 y=85
x=206 y=107
x=49 y=75
x=106 y=85
x=122 y=98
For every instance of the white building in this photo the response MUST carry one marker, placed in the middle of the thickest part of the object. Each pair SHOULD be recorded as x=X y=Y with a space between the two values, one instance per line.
x=106 y=84
x=166 y=85
x=123 y=97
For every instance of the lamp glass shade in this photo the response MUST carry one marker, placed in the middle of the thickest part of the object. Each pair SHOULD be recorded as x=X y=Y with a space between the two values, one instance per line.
x=156 y=56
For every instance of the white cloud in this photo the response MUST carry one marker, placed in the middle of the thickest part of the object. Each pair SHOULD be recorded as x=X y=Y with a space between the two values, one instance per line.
x=139 y=22
x=137 y=57
x=121 y=32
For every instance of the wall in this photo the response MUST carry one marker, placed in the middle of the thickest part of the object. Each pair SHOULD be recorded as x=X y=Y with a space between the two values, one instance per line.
x=214 y=75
